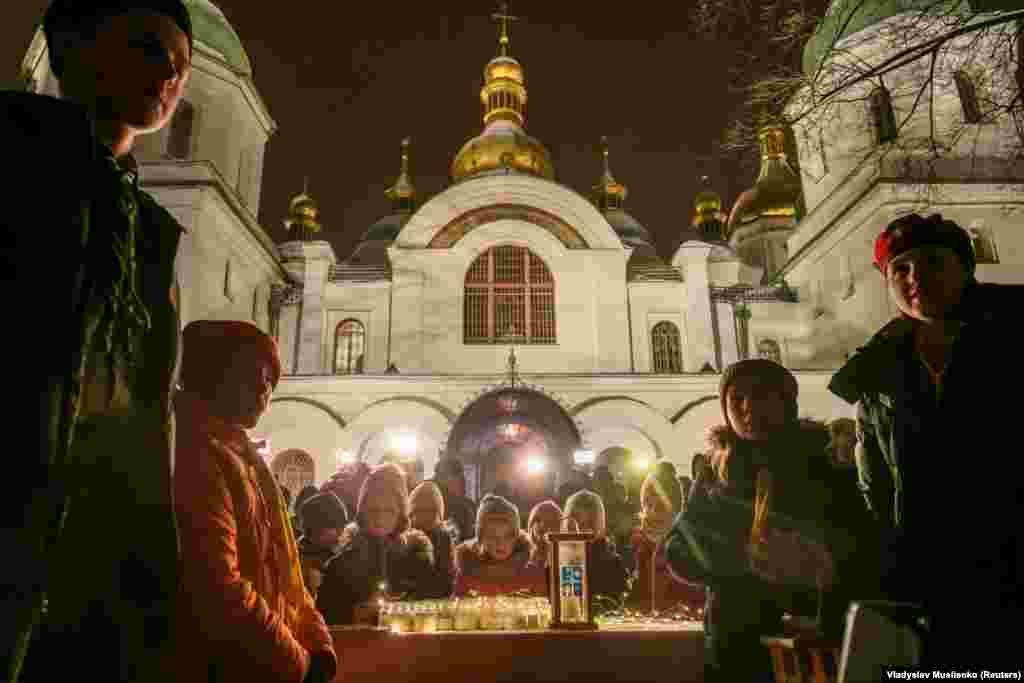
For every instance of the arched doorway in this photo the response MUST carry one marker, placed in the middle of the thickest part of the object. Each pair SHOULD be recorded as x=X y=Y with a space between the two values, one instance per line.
x=294 y=469
x=516 y=437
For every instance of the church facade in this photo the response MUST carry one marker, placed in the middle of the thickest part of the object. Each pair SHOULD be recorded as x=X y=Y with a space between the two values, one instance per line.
x=511 y=315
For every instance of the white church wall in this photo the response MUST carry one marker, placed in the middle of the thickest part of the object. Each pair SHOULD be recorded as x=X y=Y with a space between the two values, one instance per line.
x=649 y=304
x=427 y=330
x=290 y=424
x=368 y=303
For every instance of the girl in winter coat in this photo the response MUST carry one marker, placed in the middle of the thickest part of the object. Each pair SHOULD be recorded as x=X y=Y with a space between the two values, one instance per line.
x=427 y=513
x=771 y=527
x=324 y=519
x=379 y=553
x=497 y=561
x=607 y=574
x=654 y=589
x=244 y=612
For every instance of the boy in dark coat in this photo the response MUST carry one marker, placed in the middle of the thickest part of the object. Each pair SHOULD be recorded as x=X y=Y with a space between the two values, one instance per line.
x=427 y=513
x=94 y=414
x=324 y=519
x=607 y=573
x=926 y=390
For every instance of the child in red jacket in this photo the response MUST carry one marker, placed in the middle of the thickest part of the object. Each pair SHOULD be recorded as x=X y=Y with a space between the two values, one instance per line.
x=497 y=561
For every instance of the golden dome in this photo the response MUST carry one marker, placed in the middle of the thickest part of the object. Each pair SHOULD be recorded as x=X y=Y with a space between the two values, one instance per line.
x=403 y=191
x=504 y=144
x=609 y=192
x=777 y=191
x=303 y=214
x=708 y=217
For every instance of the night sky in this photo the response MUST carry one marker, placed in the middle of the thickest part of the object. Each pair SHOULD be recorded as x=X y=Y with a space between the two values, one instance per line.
x=345 y=88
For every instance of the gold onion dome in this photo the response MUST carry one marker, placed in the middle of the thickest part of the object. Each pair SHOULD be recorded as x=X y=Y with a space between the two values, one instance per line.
x=403 y=200
x=776 y=193
x=303 y=215
x=609 y=195
x=708 y=217
x=503 y=145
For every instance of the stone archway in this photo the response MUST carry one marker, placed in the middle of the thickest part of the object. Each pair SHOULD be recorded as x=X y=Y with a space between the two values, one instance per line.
x=498 y=434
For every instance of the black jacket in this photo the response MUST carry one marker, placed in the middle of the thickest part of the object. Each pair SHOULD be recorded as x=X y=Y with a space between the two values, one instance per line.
x=92 y=504
x=936 y=474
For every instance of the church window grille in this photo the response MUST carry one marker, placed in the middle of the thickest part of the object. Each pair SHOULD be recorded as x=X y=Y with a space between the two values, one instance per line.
x=509 y=297
x=883 y=116
x=968 y=91
x=179 y=138
x=349 y=347
x=665 y=342
x=295 y=470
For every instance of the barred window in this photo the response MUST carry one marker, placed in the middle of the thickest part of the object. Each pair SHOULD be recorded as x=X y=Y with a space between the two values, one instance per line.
x=294 y=470
x=509 y=297
x=349 y=345
x=668 y=357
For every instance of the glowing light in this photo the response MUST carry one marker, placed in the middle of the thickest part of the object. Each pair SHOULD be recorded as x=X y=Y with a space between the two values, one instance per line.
x=405 y=444
x=583 y=456
x=535 y=464
x=641 y=463
x=345 y=458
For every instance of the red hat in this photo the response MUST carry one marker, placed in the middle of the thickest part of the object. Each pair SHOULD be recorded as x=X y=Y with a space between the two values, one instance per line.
x=208 y=344
x=913 y=231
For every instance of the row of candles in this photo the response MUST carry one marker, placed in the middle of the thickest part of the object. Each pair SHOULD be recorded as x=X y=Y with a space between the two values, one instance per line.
x=491 y=613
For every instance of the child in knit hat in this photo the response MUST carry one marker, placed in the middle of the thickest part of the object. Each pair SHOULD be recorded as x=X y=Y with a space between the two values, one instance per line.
x=379 y=553
x=545 y=518
x=584 y=511
x=427 y=513
x=497 y=561
x=324 y=518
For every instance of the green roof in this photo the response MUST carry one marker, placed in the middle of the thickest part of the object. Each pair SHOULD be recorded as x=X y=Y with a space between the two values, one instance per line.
x=211 y=27
x=848 y=17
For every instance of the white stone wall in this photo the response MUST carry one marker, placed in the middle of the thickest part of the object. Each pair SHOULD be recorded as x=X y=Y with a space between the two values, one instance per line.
x=370 y=304
x=658 y=417
x=651 y=303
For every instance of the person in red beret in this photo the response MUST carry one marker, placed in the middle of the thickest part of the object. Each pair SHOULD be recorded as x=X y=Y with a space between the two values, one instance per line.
x=244 y=612
x=926 y=387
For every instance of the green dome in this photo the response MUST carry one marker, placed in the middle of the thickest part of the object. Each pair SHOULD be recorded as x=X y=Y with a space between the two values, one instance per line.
x=211 y=27
x=845 y=18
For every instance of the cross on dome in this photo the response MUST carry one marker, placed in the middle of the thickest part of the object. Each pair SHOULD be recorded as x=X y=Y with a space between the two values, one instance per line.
x=505 y=18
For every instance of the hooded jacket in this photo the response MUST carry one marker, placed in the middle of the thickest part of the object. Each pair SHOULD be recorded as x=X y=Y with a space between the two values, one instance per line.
x=244 y=611
x=708 y=543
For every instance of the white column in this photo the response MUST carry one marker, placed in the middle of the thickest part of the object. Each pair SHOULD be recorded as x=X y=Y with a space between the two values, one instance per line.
x=692 y=258
x=310 y=262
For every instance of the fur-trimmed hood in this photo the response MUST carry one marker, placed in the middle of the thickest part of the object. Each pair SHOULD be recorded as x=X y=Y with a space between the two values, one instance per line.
x=807 y=441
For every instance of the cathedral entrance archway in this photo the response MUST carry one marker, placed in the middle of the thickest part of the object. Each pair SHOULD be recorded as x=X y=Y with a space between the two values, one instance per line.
x=514 y=438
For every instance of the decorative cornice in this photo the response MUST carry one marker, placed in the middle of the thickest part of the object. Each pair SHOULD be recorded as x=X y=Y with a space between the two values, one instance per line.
x=458 y=228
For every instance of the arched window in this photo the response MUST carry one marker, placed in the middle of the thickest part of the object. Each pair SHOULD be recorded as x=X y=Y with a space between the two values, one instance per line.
x=510 y=297
x=295 y=470
x=179 y=137
x=769 y=349
x=349 y=348
x=668 y=357
x=882 y=115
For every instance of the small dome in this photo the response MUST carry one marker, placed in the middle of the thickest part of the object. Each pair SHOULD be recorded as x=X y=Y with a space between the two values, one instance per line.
x=777 y=189
x=504 y=68
x=629 y=230
x=387 y=228
x=502 y=145
x=303 y=219
x=211 y=28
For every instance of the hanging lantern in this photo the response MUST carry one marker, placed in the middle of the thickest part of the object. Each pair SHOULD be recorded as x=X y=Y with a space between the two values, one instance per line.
x=569 y=558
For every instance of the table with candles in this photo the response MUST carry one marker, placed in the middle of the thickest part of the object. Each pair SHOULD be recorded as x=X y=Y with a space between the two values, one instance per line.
x=510 y=639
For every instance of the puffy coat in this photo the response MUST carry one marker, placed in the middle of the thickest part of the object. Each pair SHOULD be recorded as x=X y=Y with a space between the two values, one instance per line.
x=517 y=574
x=244 y=612
x=404 y=561
x=708 y=544
x=441 y=583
